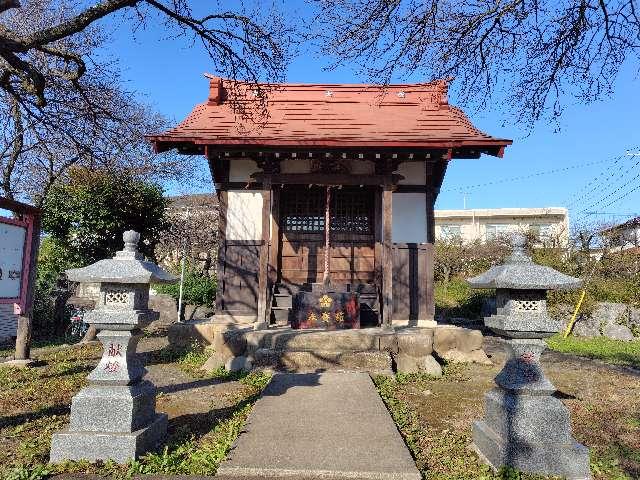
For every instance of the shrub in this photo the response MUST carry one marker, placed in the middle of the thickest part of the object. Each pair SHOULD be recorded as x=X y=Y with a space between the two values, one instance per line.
x=453 y=258
x=198 y=289
x=53 y=260
x=615 y=278
x=88 y=212
x=457 y=299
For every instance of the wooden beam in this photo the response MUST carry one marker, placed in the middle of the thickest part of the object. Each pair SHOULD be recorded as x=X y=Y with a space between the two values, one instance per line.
x=238 y=186
x=387 y=256
x=263 y=268
x=327 y=179
x=219 y=168
x=18 y=207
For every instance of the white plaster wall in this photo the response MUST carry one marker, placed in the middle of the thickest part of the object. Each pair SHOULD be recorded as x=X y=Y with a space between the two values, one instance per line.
x=244 y=215
x=414 y=173
x=409 y=218
x=241 y=168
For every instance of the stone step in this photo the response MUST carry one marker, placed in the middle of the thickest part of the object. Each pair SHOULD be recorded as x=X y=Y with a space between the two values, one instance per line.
x=282 y=300
x=374 y=362
x=280 y=315
x=311 y=340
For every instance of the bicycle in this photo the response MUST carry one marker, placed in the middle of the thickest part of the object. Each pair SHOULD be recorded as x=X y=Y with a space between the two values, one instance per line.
x=77 y=328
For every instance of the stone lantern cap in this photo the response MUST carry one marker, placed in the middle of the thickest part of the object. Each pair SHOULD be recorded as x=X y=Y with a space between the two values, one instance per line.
x=519 y=272
x=127 y=266
x=521 y=290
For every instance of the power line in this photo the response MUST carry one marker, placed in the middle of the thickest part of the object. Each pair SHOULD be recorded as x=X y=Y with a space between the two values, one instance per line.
x=524 y=177
x=608 y=195
x=572 y=200
x=598 y=186
x=613 y=214
x=622 y=196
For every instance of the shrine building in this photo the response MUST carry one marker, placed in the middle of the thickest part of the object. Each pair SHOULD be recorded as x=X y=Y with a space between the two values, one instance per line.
x=273 y=151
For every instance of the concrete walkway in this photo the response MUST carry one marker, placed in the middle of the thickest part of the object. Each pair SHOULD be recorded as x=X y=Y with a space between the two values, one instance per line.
x=330 y=425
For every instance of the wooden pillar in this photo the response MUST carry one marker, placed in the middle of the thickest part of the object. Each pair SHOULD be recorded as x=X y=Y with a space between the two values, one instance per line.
x=222 y=241
x=435 y=175
x=25 y=319
x=274 y=245
x=263 y=267
x=219 y=169
x=430 y=307
x=377 y=250
x=387 y=256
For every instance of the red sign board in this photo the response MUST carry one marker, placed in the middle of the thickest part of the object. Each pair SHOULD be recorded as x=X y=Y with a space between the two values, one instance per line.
x=18 y=245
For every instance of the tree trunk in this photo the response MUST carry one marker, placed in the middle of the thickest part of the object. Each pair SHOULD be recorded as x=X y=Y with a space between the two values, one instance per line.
x=90 y=335
x=23 y=338
x=446 y=273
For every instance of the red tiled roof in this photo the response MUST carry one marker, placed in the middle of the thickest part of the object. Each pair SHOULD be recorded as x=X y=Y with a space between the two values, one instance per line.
x=328 y=116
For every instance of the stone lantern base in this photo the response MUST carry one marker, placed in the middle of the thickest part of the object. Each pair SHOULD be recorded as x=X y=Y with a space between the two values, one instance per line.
x=525 y=426
x=118 y=446
x=113 y=418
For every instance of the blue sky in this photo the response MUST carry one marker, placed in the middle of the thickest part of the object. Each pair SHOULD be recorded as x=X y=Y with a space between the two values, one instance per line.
x=590 y=145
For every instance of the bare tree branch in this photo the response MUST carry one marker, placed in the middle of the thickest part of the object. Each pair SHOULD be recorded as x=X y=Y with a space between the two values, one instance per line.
x=87 y=119
x=535 y=53
x=239 y=45
x=7 y=4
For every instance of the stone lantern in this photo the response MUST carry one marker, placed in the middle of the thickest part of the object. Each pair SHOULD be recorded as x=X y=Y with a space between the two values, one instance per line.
x=525 y=426
x=114 y=417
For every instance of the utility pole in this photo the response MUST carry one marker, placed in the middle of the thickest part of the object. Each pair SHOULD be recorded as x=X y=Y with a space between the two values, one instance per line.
x=464 y=200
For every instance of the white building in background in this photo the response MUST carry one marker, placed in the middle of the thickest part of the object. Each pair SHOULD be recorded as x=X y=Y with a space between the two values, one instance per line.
x=550 y=225
x=624 y=236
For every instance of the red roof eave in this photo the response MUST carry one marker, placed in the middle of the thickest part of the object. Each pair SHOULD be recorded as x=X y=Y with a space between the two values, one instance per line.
x=163 y=143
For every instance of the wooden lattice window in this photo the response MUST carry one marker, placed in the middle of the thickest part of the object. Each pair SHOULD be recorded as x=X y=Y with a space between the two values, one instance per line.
x=302 y=210
x=352 y=211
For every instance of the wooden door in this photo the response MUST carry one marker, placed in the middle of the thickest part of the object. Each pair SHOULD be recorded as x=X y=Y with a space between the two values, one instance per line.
x=302 y=235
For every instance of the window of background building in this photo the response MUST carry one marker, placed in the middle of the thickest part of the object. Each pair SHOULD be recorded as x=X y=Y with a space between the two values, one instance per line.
x=541 y=232
x=450 y=232
x=495 y=231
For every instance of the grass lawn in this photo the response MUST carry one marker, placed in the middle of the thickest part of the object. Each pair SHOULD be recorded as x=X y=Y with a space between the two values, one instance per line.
x=35 y=403
x=435 y=418
x=601 y=348
x=434 y=415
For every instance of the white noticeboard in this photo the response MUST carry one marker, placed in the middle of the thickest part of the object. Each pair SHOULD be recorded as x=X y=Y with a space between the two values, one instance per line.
x=12 y=243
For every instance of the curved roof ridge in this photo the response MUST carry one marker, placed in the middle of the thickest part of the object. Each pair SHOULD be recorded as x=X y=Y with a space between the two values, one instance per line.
x=437 y=81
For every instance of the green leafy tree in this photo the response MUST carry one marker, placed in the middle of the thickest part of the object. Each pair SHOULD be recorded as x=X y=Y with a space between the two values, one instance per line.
x=88 y=212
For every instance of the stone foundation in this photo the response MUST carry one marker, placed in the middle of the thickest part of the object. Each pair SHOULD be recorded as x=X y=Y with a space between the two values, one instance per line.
x=374 y=350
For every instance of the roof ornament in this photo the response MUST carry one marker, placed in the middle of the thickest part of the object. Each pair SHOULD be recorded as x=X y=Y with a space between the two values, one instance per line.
x=402 y=94
x=328 y=93
x=215 y=91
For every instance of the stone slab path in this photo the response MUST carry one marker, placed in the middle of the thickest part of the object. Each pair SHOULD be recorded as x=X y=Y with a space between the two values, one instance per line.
x=330 y=425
